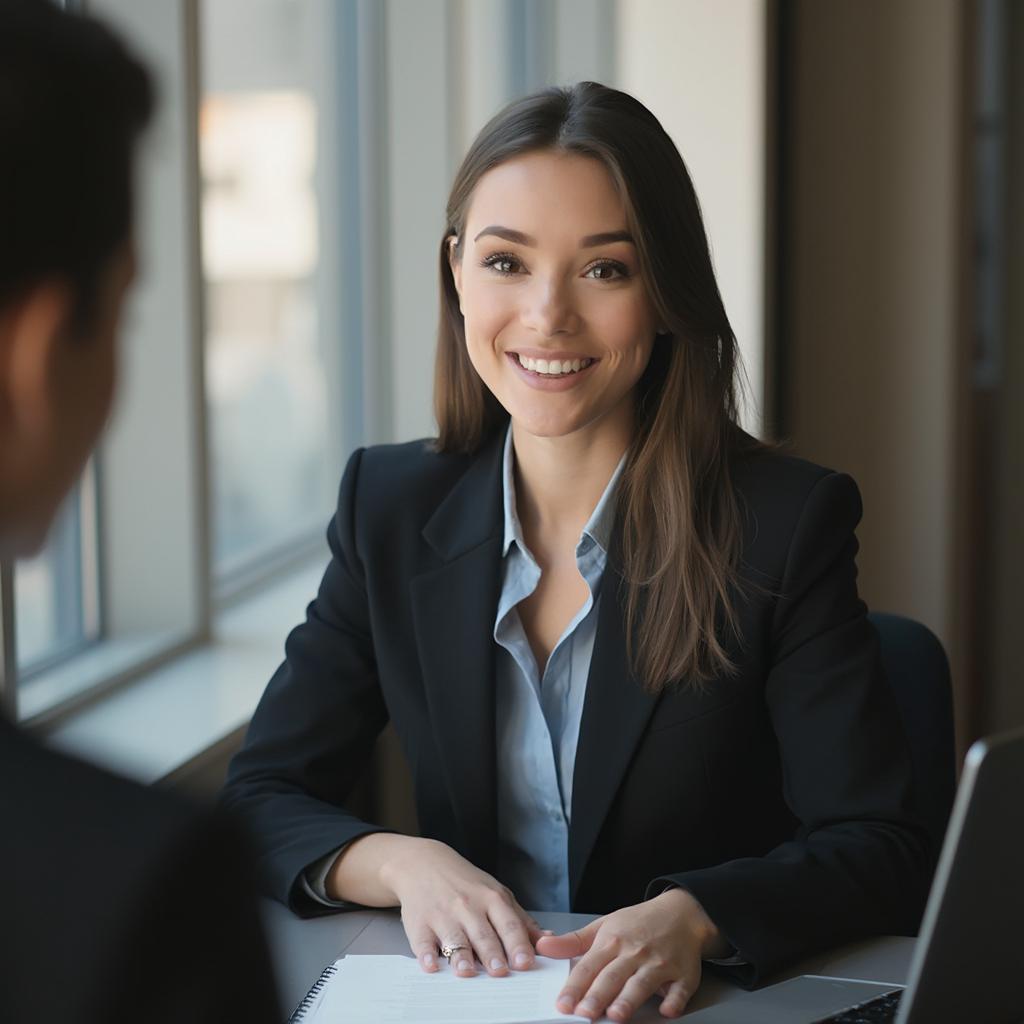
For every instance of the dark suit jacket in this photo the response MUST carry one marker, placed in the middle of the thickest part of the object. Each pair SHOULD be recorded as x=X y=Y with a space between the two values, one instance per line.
x=120 y=904
x=778 y=796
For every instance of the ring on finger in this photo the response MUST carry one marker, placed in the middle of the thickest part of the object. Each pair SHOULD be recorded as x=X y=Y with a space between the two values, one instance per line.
x=449 y=951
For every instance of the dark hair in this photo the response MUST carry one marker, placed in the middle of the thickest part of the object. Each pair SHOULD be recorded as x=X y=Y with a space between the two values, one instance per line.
x=73 y=102
x=680 y=518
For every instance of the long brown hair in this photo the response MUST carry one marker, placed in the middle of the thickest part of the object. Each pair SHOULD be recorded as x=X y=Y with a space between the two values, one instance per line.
x=680 y=520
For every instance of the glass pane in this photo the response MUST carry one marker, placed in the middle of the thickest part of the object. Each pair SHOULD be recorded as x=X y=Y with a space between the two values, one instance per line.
x=56 y=593
x=266 y=384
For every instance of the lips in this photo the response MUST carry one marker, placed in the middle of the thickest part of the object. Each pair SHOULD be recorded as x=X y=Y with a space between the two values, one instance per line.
x=551 y=382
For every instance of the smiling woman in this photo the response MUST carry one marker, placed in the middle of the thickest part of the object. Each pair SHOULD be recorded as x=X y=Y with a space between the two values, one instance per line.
x=609 y=251
x=620 y=640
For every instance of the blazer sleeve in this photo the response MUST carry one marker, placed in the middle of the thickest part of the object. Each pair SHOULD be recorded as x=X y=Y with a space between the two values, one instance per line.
x=315 y=726
x=858 y=863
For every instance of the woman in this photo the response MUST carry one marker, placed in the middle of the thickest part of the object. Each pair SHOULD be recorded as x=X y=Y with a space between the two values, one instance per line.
x=620 y=641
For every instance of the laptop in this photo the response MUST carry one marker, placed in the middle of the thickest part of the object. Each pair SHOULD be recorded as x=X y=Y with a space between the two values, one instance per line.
x=968 y=963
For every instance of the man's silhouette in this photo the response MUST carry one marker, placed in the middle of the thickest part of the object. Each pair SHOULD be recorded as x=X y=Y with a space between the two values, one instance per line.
x=117 y=903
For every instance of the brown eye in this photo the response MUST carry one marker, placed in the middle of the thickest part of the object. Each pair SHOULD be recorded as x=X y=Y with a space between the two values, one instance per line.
x=502 y=263
x=607 y=272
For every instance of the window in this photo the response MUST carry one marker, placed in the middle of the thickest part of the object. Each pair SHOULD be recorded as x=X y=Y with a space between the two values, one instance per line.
x=266 y=383
x=57 y=592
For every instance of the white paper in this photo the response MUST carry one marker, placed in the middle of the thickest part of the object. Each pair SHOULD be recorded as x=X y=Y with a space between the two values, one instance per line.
x=379 y=989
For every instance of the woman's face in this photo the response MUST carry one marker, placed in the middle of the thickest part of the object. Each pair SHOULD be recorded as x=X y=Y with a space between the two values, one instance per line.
x=548 y=273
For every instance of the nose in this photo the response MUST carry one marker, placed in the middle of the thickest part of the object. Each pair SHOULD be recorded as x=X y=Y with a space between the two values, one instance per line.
x=549 y=308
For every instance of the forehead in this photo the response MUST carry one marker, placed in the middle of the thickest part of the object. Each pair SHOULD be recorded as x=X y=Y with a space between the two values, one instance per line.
x=540 y=193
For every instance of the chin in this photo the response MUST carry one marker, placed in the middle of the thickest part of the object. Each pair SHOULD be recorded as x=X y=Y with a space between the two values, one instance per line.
x=546 y=425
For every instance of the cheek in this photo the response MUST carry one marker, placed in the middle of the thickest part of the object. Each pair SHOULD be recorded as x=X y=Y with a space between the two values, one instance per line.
x=627 y=326
x=487 y=311
x=486 y=314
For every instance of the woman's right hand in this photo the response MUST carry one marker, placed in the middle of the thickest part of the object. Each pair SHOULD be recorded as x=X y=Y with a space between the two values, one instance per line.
x=445 y=901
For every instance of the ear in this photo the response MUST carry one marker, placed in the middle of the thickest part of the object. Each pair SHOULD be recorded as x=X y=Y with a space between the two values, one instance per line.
x=32 y=330
x=455 y=262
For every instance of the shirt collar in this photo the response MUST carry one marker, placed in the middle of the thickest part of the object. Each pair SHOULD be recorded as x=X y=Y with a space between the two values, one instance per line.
x=598 y=526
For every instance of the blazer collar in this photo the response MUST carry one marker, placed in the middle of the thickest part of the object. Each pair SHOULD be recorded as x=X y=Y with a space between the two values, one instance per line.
x=472 y=511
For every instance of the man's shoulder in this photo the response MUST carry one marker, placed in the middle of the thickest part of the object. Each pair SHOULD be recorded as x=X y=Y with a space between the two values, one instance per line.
x=58 y=810
x=123 y=875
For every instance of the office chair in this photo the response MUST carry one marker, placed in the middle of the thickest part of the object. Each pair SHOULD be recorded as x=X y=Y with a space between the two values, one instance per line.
x=918 y=672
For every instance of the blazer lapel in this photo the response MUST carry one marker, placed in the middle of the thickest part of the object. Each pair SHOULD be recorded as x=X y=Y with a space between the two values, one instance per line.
x=615 y=713
x=453 y=611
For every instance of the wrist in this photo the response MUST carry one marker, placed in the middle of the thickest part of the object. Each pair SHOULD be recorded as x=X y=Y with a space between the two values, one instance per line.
x=712 y=943
x=357 y=875
x=397 y=862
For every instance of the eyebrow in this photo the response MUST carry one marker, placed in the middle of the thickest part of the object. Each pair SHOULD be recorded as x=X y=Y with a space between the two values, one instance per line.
x=587 y=242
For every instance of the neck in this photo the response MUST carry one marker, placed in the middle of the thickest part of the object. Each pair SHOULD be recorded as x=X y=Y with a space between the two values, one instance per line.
x=559 y=480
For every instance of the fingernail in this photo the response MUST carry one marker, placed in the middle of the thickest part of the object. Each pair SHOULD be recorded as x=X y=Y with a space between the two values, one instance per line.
x=621 y=1008
x=465 y=965
x=497 y=965
x=428 y=959
x=565 y=1003
x=548 y=931
x=522 y=960
x=587 y=1006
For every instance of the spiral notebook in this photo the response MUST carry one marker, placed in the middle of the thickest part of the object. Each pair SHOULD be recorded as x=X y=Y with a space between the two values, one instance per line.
x=387 y=989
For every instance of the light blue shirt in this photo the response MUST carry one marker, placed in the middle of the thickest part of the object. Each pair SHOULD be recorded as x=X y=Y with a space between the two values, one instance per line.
x=538 y=714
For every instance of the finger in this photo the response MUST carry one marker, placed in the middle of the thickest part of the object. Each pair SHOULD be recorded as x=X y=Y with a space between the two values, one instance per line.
x=677 y=996
x=423 y=943
x=626 y=998
x=489 y=950
x=513 y=927
x=625 y=983
x=563 y=947
x=462 y=959
x=582 y=976
x=534 y=930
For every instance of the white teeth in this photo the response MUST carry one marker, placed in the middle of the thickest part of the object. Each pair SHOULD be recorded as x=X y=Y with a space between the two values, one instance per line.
x=553 y=367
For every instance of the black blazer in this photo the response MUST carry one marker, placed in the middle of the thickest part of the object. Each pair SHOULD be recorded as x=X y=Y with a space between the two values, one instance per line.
x=120 y=903
x=778 y=796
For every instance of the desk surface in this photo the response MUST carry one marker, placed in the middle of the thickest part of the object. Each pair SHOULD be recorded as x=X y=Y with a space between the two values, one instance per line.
x=302 y=948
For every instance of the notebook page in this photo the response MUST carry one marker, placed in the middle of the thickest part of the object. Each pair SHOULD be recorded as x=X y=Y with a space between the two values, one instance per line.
x=379 y=989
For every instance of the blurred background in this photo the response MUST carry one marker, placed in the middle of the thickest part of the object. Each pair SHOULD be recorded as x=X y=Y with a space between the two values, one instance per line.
x=860 y=165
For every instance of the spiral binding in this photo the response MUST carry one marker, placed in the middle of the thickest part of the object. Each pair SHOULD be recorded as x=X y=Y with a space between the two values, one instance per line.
x=313 y=994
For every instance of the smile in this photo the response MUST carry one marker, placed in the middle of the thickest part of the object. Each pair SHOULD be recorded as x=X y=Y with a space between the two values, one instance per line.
x=553 y=367
x=552 y=374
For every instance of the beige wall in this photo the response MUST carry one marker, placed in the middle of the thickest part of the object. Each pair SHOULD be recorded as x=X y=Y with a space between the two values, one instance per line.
x=874 y=280
x=699 y=65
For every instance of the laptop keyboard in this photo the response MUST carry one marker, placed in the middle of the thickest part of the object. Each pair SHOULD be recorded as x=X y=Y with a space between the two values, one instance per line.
x=874 y=1011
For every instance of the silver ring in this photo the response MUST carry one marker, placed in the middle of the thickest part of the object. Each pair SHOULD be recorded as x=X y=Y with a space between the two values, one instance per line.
x=449 y=951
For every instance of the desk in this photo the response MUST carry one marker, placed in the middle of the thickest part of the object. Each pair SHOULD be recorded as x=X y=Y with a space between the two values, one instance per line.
x=302 y=948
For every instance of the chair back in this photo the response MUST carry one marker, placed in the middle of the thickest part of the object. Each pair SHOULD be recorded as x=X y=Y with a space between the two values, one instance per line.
x=918 y=672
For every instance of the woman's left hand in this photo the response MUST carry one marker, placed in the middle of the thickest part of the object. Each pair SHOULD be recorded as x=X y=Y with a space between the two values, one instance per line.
x=627 y=956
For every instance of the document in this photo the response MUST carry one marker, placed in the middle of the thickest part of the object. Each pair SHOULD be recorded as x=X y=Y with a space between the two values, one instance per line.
x=372 y=989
